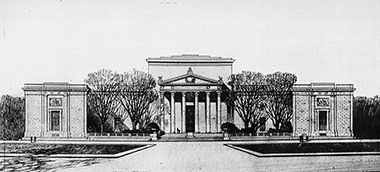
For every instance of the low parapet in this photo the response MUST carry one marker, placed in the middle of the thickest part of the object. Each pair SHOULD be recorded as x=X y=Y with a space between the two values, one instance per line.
x=55 y=86
x=323 y=86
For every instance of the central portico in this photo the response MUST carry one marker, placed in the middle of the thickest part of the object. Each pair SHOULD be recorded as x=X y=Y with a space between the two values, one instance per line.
x=195 y=97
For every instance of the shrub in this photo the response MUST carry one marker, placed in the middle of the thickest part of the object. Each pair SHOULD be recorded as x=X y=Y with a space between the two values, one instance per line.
x=229 y=127
x=151 y=127
x=160 y=133
x=248 y=130
x=131 y=131
x=282 y=130
x=272 y=130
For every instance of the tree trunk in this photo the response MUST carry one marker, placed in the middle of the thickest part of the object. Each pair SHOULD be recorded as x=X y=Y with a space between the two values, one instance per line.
x=277 y=126
x=246 y=124
x=254 y=127
x=101 y=127
x=134 y=124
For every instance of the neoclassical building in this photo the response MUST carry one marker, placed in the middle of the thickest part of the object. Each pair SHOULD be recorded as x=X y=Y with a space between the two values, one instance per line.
x=55 y=109
x=323 y=109
x=194 y=90
x=194 y=87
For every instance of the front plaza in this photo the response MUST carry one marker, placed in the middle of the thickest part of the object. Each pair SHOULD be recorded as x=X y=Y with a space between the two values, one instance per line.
x=215 y=156
x=194 y=88
x=193 y=156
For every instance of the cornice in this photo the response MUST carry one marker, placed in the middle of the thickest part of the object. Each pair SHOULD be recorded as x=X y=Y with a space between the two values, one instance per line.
x=189 y=58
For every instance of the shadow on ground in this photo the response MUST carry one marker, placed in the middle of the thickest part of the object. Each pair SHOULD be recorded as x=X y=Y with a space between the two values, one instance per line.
x=43 y=164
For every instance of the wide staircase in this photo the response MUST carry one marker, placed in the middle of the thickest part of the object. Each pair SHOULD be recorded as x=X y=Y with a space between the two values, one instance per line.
x=191 y=137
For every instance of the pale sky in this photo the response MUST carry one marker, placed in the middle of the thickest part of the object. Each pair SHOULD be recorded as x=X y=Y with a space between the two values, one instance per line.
x=318 y=40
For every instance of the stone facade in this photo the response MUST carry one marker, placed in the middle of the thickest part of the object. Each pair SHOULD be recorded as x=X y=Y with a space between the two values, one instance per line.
x=323 y=109
x=194 y=88
x=55 y=110
x=207 y=66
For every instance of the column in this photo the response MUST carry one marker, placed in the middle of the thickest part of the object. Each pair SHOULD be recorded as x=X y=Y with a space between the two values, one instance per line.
x=162 y=113
x=207 y=119
x=196 y=113
x=183 y=113
x=218 y=112
x=172 y=112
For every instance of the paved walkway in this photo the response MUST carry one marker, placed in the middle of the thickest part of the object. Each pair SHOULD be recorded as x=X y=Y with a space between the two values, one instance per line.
x=214 y=156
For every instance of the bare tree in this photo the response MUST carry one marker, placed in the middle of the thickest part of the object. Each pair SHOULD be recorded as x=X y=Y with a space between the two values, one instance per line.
x=154 y=114
x=136 y=94
x=247 y=95
x=259 y=113
x=366 y=117
x=103 y=94
x=279 y=97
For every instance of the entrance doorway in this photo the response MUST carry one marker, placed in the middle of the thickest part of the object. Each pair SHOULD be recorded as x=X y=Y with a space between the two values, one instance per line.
x=190 y=119
x=322 y=120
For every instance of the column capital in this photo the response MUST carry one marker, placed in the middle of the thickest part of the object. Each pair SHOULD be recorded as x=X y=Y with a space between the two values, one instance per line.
x=219 y=93
x=196 y=93
x=183 y=93
x=208 y=92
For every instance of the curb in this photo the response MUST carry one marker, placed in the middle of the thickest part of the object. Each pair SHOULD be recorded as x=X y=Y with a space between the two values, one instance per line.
x=297 y=141
x=80 y=142
x=257 y=154
x=118 y=155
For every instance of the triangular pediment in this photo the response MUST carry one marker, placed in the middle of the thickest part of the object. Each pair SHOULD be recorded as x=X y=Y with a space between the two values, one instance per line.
x=190 y=78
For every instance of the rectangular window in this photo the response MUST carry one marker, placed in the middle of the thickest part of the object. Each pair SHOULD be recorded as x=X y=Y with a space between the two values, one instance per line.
x=55 y=120
x=262 y=124
x=322 y=120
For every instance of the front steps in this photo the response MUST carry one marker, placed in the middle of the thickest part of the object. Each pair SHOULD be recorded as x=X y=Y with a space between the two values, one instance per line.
x=191 y=137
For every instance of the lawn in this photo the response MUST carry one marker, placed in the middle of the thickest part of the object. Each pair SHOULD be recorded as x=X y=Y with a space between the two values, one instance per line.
x=312 y=147
x=50 y=149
